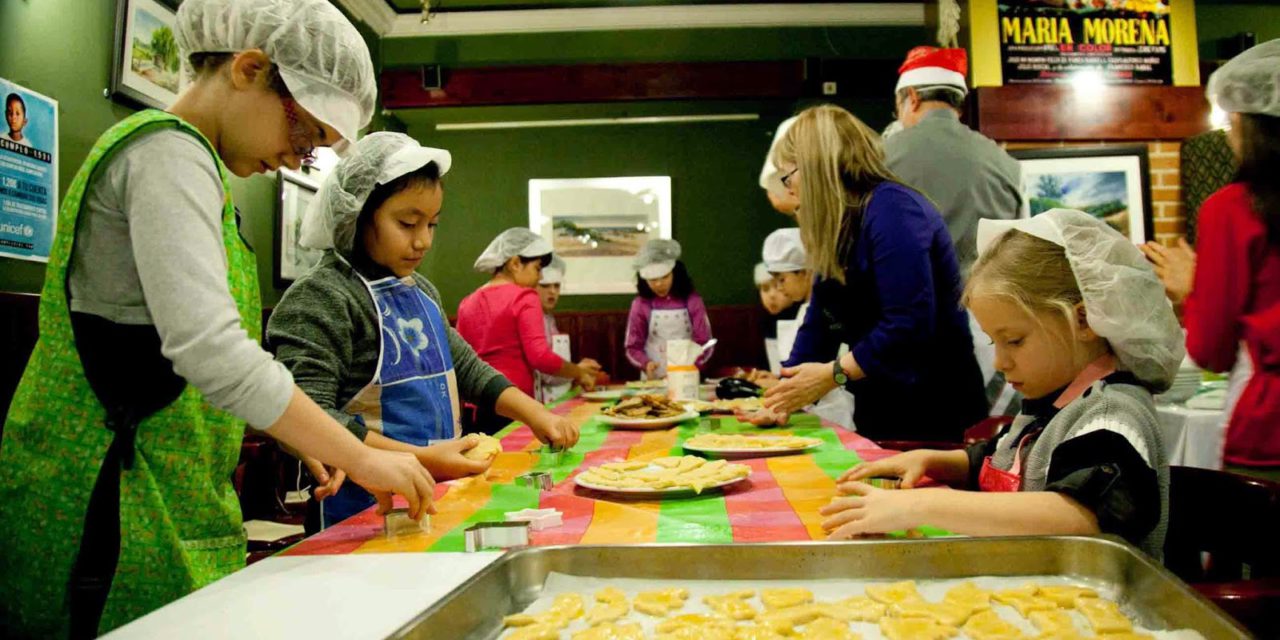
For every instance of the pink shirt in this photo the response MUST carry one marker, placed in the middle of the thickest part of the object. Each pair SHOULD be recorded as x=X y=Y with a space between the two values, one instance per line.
x=503 y=323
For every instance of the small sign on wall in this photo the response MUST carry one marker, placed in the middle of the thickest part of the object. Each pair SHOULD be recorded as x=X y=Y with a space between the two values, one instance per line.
x=28 y=173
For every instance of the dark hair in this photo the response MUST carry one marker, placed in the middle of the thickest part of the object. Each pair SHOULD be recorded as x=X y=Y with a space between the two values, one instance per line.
x=205 y=63
x=426 y=176
x=951 y=96
x=13 y=97
x=545 y=259
x=1260 y=166
x=681 y=283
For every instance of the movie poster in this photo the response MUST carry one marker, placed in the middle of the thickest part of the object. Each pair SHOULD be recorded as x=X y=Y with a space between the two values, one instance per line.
x=1050 y=41
x=28 y=173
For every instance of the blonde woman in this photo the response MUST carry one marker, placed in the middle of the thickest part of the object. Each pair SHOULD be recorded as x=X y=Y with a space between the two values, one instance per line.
x=887 y=284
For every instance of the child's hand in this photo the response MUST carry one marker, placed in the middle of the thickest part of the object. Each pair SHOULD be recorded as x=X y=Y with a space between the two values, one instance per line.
x=446 y=462
x=870 y=510
x=383 y=473
x=762 y=417
x=557 y=431
x=328 y=479
x=650 y=369
x=908 y=467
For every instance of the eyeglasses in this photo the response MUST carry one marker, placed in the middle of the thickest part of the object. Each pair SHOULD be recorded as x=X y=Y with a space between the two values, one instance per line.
x=786 y=180
x=299 y=136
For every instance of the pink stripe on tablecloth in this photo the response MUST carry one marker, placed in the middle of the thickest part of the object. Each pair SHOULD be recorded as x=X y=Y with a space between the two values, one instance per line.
x=577 y=510
x=850 y=439
x=758 y=511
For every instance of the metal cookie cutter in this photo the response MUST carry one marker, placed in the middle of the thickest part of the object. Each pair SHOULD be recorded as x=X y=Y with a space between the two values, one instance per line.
x=493 y=536
x=541 y=480
x=891 y=482
x=551 y=454
x=398 y=523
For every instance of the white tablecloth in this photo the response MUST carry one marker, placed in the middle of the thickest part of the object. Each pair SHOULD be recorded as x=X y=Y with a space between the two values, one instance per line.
x=313 y=597
x=1192 y=437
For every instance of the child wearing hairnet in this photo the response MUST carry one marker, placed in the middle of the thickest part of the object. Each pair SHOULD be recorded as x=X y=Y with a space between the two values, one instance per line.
x=365 y=334
x=780 y=309
x=667 y=308
x=120 y=444
x=549 y=387
x=503 y=319
x=1082 y=330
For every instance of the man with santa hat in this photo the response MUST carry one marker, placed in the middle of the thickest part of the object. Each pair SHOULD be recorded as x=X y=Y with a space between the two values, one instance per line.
x=966 y=174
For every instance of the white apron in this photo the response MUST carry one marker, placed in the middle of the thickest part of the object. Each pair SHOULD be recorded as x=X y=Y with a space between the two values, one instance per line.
x=549 y=388
x=837 y=405
x=664 y=325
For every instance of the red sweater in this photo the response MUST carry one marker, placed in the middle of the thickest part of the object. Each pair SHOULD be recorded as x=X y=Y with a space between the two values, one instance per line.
x=1236 y=296
x=503 y=323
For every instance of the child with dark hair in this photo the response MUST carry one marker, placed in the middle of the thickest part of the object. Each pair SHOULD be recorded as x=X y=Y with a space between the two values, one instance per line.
x=667 y=308
x=15 y=116
x=365 y=335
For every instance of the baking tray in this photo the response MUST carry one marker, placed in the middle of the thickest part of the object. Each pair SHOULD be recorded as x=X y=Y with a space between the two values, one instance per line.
x=474 y=610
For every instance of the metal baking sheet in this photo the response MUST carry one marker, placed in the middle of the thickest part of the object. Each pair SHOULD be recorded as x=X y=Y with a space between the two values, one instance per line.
x=1156 y=598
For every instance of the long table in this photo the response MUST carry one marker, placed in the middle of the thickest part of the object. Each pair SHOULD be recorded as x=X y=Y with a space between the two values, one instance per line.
x=779 y=502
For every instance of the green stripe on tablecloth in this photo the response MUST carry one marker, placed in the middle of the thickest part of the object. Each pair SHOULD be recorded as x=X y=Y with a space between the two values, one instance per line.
x=591 y=435
x=700 y=518
x=504 y=498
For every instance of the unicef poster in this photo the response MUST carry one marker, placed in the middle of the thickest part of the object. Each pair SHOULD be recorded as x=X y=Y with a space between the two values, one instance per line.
x=28 y=173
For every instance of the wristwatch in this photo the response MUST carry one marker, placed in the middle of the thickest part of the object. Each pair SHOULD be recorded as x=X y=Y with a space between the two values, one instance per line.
x=839 y=375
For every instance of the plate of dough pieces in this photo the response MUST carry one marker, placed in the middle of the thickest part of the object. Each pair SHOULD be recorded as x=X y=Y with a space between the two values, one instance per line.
x=741 y=445
x=677 y=475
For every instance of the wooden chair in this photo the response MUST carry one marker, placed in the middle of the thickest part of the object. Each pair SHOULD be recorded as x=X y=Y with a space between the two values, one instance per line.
x=1221 y=539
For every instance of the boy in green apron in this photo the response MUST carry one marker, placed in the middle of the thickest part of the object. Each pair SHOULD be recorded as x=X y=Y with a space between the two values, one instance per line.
x=115 y=493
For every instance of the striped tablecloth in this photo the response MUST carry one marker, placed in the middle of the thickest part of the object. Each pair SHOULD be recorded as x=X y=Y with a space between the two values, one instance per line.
x=779 y=502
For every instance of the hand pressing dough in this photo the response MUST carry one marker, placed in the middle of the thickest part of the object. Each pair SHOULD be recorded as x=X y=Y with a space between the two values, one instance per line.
x=988 y=625
x=915 y=629
x=1103 y=615
x=485 y=449
x=894 y=593
x=785 y=597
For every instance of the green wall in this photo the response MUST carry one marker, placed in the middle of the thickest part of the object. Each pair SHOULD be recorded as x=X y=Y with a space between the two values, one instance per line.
x=1222 y=20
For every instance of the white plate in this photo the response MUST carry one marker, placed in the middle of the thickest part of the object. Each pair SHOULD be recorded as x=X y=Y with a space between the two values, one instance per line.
x=647 y=423
x=754 y=452
x=604 y=395
x=652 y=493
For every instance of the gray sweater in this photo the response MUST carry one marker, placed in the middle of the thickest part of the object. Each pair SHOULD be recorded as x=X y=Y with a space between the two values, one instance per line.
x=325 y=331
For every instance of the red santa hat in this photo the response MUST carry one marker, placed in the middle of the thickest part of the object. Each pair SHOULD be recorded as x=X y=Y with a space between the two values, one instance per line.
x=934 y=67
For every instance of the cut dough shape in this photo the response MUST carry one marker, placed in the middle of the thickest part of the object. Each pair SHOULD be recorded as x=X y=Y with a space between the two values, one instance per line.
x=1126 y=636
x=785 y=621
x=628 y=631
x=733 y=606
x=970 y=595
x=535 y=632
x=946 y=613
x=756 y=632
x=828 y=629
x=1103 y=615
x=568 y=605
x=785 y=597
x=659 y=603
x=607 y=612
x=1065 y=596
x=1024 y=599
x=988 y=625
x=859 y=608
x=519 y=620
x=1056 y=621
x=915 y=629
x=485 y=449
x=611 y=595
x=894 y=593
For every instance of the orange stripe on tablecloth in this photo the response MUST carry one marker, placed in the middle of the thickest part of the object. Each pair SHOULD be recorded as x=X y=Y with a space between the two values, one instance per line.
x=631 y=522
x=464 y=498
x=806 y=487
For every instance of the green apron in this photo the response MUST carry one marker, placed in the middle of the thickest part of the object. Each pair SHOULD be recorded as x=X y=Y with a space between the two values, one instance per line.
x=180 y=524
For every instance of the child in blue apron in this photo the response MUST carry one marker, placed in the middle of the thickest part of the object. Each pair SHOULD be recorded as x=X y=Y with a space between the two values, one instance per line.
x=667 y=308
x=364 y=333
x=1081 y=329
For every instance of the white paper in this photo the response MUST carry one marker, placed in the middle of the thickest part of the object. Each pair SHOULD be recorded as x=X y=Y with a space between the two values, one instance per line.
x=267 y=531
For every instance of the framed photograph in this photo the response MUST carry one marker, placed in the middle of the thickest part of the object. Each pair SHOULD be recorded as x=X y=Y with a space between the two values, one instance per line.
x=146 y=68
x=1111 y=183
x=291 y=259
x=598 y=226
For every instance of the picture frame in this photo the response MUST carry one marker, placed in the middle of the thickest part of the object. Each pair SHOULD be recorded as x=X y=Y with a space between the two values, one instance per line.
x=1112 y=183
x=146 y=68
x=291 y=260
x=597 y=225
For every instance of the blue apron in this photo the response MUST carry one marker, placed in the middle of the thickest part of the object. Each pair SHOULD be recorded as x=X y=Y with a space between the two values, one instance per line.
x=413 y=397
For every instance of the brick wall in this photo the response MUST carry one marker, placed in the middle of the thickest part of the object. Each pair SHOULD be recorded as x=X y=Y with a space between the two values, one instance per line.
x=1166 y=188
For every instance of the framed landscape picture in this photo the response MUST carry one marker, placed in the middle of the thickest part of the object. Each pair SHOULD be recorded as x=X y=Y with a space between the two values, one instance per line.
x=146 y=68
x=597 y=225
x=292 y=259
x=1111 y=183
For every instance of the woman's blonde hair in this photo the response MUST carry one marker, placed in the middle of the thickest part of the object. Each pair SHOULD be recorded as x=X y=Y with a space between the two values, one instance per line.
x=840 y=161
x=1030 y=272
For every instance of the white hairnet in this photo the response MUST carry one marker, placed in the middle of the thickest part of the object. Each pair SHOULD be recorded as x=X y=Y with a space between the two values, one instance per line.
x=784 y=251
x=770 y=176
x=762 y=275
x=554 y=272
x=321 y=57
x=513 y=242
x=379 y=158
x=657 y=258
x=1249 y=82
x=1124 y=301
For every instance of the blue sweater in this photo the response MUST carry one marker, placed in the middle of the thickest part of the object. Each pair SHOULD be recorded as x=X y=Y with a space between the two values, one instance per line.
x=899 y=311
